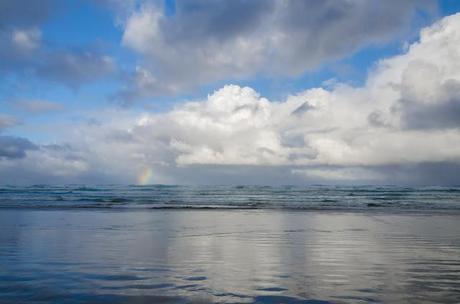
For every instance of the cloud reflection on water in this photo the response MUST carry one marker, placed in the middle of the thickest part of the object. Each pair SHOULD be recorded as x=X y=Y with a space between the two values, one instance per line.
x=227 y=256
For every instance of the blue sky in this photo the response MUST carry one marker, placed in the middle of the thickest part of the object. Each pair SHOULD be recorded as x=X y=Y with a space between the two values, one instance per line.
x=65 y=62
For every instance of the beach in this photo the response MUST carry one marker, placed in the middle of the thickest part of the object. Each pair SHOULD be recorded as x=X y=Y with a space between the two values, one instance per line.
x=228 y=256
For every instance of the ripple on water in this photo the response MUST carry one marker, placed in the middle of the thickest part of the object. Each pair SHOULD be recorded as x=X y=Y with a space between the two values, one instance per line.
x=231 y=257
x=197 y=278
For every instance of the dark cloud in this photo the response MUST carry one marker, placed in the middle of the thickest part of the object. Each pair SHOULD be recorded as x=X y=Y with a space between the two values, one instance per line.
x=24 y=13
x=436 y=116
x=443 y=114
x=305 y=107
x=201 y=20
x=140 y=84
x=443 y=173
x=324 y=30
x=72 y=68
x=15 y=147
x=376 y=119
x=233 y=175
x=208 y=41
x=75 y=68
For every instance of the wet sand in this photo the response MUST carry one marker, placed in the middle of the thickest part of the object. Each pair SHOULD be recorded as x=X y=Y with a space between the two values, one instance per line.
x=227 y=256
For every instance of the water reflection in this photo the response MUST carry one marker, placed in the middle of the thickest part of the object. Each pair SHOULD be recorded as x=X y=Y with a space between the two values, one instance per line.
x=227 y=256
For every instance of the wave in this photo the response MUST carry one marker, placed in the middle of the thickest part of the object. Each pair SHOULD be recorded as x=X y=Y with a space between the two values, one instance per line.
x=231 y=197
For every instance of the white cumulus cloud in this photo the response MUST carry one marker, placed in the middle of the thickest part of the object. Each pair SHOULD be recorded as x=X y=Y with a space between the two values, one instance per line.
x=404 y=119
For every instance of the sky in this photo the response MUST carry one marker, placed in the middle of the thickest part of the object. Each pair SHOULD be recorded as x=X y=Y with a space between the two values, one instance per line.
x=264 y=92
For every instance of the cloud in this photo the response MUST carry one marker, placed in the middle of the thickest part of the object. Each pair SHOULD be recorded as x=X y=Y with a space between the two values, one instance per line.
x=18 y=49
x=359 y=131
x=431 y=103
x=202 y=43
x=54 y=164
x=24 y=13
x=75 y=68
x=20 y=34
x=340 y=175
x=25 y=53
x=7 y=122
x=399 y=127
x=141 y=84
x=26 y=40
x=36 y=106
x=14 y=147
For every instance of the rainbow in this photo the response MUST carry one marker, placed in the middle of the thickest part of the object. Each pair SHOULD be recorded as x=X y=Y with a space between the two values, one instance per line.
x=145 y=177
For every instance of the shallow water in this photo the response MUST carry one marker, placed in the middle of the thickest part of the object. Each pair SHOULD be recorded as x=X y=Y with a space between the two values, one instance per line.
x=227 y=256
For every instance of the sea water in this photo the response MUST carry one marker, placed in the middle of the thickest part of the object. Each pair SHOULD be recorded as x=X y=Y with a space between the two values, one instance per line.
x=174 y=244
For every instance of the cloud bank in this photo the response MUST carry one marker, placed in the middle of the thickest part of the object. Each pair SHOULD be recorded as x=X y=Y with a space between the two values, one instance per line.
x=402 y=125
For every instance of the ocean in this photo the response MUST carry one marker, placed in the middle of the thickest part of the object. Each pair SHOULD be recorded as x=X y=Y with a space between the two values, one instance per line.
x=357 y=198
x=229 y=244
